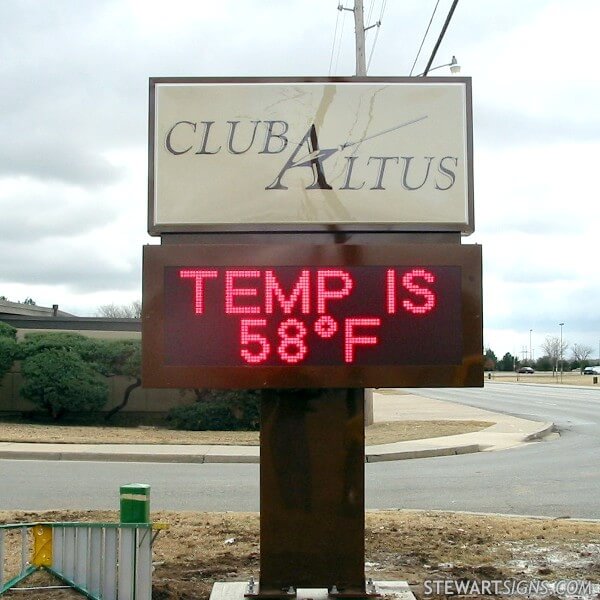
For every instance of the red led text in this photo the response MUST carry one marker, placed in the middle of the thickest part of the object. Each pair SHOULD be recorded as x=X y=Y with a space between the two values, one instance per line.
x=282 y=317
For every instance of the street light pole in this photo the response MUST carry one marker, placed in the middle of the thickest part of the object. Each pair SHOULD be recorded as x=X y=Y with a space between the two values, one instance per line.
x=453 y=64
x=561 y=353
x=530 y=354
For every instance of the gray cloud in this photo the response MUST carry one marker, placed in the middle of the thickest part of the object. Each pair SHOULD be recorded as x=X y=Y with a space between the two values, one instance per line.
x=30 y=216
x=533 y=270
x=508 y=127
x=74 y=91
x=79 y=270
x=52 y=158
x=530 y=220
x=542 y=308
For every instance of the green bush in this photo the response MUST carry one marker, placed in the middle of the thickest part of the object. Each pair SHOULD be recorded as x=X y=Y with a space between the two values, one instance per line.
x=122 y=357
x=60 y=381
x=115 y=357
x=8 y=353
x=219 y=411
x=8 y=348
x=34 y=343
x=6 y=331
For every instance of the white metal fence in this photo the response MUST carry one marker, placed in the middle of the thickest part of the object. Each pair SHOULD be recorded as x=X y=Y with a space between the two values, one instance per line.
x=103 y=561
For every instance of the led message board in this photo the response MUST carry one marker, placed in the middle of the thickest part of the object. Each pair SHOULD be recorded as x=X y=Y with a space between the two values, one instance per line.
x=235 y=316
x=303 y=154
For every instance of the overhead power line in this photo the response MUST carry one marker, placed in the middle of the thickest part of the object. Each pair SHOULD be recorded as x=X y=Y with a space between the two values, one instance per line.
x=337 y=40
x=337 y=20
x=370 y=13
x=337 y=60
x=424 y=37
x=440 y=38
x=382 y=11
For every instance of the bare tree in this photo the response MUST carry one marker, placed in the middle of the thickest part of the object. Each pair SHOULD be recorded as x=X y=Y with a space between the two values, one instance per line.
x=136 y=307
x=554 y=350
x=121 y=311
x=581 y=353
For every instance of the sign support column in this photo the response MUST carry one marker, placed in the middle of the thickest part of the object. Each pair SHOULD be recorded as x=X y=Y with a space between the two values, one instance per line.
x=312 y=491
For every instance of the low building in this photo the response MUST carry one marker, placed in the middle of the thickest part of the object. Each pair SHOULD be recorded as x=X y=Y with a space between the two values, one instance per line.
x=26 y=318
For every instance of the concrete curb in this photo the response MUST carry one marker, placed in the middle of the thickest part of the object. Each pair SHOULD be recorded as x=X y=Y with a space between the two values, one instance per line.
x=552 y=385
x=432 y=447
x=547 y=429
x=93 y=456
x=421 y=453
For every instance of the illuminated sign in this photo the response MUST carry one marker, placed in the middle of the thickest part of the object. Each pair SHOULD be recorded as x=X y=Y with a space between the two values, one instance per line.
x=311 y=316
x=304 y=154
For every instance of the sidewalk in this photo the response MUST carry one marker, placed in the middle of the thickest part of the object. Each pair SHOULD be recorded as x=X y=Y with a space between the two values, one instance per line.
x=388 y=406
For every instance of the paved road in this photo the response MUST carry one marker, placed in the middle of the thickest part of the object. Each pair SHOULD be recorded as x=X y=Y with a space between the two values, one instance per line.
x=559 y=477
x=570 y=408
x=556 y=478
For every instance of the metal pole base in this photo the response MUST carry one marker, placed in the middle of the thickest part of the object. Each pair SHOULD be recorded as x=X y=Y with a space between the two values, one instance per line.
x=237 y=590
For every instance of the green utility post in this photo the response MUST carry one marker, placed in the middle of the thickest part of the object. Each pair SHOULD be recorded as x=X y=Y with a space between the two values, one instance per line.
x=135 y=503
x=135 y=508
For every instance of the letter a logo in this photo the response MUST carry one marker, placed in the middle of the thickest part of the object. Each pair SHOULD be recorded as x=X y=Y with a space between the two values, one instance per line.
x=313 y=160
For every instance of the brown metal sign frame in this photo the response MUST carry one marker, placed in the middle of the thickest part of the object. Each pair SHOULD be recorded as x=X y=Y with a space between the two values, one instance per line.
x=469 y=372
x=303 y=227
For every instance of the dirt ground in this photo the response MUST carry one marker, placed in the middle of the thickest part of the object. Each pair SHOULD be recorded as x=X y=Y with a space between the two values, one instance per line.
x=201 y=548
x=378 y=433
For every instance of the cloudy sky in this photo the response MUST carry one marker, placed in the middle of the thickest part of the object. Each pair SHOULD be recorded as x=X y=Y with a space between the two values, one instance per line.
x=73 y=135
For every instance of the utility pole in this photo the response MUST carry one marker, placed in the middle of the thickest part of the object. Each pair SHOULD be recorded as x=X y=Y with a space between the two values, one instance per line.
x=359 y=33
x=359 y=36
x=361 y=71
